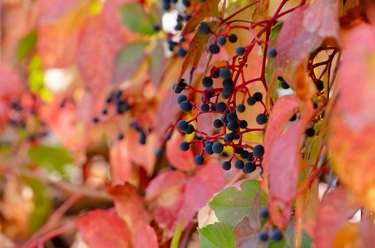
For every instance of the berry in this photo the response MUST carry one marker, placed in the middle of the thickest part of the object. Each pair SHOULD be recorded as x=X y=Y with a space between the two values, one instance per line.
x=320 y=85
x=293 y=118
x=199 y=160
x=186 y=106
x=264 y=213
x=283 y=84
x=251 y=101
x=142 y=139
x=208 y=148
x=241 y=108
x=245 y=154
x=218 y=123
x=214 y=49
x=231 y=117
x=184 y=146
x=120 y=136
x=104 y=111
x=221 y=40
x=95 y=120
x=261 y=119
x=221 y=107
x=238 y=150
x=180 y=86
x=207 y=82
x=276 y=235
x=263 y=236
x=271 y=52
x=240 y=51
x=190 y=129
x=187 y=17
x=239 y=164
x=216 y=73
x=229 y=137
x=186 y=3
x=258 y=151
x=179 y=18
x=243 y=124
x=159 y=153
x=155 y=27
x=232 y=38
x=204 y=28
x=225 y=73
x=248 y=168
x=205 y=107
x=182 y=125
x=226 y=165
x=258 y=96
x=181 y=52
x=181 y=98
x=232 y=126
x=217 y=147
x=310 y=132
x=178 y=27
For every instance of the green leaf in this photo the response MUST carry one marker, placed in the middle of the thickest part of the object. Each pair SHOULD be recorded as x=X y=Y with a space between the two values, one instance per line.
x=53 y=159
x=231 y=206
x=217 y=235
x=135 y=18
x=157 y=64
x=42 y=203
x=306 y=239
x=26 y=45
x=128 y=61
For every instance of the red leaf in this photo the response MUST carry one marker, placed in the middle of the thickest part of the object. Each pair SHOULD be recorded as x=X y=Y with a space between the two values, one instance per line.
x=101 y=39
x=100 y=228
x=332 y=214
x=51 y=10
x=167 y=111
x=367 y=232
x=146 y=237
x=121 y=166
x=204 y=123
x=182 y=160
x=129 y=206
x=10 y=82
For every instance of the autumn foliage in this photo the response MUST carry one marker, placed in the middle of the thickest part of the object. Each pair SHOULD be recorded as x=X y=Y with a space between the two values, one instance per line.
x=187 y=123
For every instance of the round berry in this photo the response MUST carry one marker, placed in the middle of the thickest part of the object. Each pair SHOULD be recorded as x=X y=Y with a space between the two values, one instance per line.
x=207 y=82
x=181 y=53
x=216 y=73
x=240 y=51
x=186 y=106
x=186 y=3
x=258 y=96
x=214 y=49
x=204 y=28
x=208 y=148
x=264 y=213
x=159 y=153
x=283 y=84
x=243 y=124
x=248 y=168
x=104 y=111
x=225 y=73
x=238 y=150
x=182 y=125
x=310 y=132
x=231 y=117
x=226 y=165
x=245 y=154
x=232 y=126
x=142 y=139
x=184 y=146
x=95 y=120
x=293 y=118
x=276 y=235
x=178 y=27
x=217 y=147
x=263 y=236
x=258 y=151
x=229 y=137
x=120 y=136
x=218 y=123
x=320 y=85
x=221 y=40
x=205 y=107
x=181 y=98
x=271 y=52
x=261 y=119
x=199 y=160
x=239 y=164
x=241 y=108
x=221 y=107
x=232 y=38
x=190 y=129
x=251 y=101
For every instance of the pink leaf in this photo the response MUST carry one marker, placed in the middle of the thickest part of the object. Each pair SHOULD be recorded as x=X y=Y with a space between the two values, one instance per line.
x=10 y=82
x=367 y=231
x=100 y=228
x=121 y=165
x=332 y=214
x=146 y=237
x=182 y=160
x=167 y=111
x=51 y=10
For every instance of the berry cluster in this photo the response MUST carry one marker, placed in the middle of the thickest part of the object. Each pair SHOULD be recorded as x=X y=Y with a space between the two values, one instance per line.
x=274 y=234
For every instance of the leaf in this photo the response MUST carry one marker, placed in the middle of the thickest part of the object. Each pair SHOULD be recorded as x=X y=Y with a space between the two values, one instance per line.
x=182 y=160
x=231 y=206
x=352 y=124
x=51 y=10
x=146 y=237
x=10 y=82
x=218 y=235
x=157 y=64
x=367 y=230
x=134 y=17
x=208 y=8
x=167 y=111
x=128 y=61
x=26 y=45
x=103 y=228
x=333 y=213
x=53 y=159
x=306 y=239
x=101 y=40
x=42 y=203
x=130 y=207
x=121 y=165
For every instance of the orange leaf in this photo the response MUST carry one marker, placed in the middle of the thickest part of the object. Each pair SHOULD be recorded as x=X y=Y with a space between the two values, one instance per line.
x=121 y=166
x=182 y=160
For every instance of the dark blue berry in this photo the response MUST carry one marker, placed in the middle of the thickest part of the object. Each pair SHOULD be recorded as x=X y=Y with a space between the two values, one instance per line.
x=184 y=146
x=214 y=49
x=263 y=236
x=283 y=84
x=181 y=52
x=251 y=101
x=178 y=27
x=159 y=153
x=221 y=107
x=182 y=125
x=310 y=132
x=245 y=154
x=232 y=126
x=208 y=148
x=264 y=213
x=190 y=129
x=238 y=150
x=261 y=119
x=95 y=120
x=104 y=111
x=199 y=160
x=205 y=107
x=216 y=73
x=187 y=17
x=155 y=27
x=239 y=164
x=229 y=137
x=226 y=165
x=120 y=136
x=207 y=82
x=186 y=106
x=218 y=123
x=142 y=139
x=293 y=118
x=186 y=3
x=248 y=168
x=232 y=38
x=258 y=151
x=320 y=85
x=180 y=18
x=181 y=98
x=225 y=73
x=241 y=108
x=258 y=96
x=276 y=235
x=231 y=117
x=204 y=28
x=240 y=51
x=221 y=40
x=271 y=52
x=243 y=124
x=217 y=147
